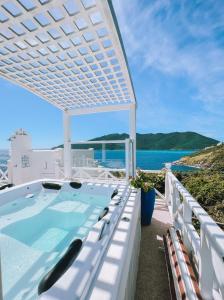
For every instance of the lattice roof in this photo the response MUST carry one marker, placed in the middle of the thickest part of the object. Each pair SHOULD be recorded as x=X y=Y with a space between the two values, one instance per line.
x=66 y=51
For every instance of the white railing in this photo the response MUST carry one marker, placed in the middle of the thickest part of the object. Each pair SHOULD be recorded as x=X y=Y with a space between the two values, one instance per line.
x=3 y=173
x=207 y=247
x=84 y=162
x=99 y=171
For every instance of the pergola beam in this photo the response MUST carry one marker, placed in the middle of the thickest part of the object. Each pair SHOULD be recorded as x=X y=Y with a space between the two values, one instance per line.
x=99 y=142
x=100 y=109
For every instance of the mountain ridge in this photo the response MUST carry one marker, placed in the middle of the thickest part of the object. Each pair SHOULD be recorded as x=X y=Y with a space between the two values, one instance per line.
x=157 y=141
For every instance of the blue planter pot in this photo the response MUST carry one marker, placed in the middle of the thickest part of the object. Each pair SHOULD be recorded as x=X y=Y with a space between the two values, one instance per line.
x=147 y=206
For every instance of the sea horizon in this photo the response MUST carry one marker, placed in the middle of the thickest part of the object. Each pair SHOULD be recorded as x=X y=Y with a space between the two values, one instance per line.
x=145 y=159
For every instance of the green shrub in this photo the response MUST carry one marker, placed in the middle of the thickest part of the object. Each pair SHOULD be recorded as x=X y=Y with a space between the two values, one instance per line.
x=207 y=187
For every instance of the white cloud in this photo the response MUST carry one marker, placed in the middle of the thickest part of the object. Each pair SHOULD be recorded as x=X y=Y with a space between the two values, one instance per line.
x=177 y=38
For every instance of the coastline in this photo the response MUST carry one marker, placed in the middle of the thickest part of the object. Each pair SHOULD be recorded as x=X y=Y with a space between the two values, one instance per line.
x=179 y=163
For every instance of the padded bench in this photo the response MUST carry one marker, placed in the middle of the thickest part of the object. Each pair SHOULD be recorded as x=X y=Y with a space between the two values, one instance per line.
x=181 y=276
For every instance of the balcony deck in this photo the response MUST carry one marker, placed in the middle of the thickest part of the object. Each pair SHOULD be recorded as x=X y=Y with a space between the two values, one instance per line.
x=152 y=280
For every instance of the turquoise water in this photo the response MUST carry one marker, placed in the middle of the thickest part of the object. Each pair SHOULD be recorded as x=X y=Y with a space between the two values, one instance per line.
x=36 y=232
x=146 y=159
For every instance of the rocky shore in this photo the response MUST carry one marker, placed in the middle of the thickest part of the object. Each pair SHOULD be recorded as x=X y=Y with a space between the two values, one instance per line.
x=211 y=158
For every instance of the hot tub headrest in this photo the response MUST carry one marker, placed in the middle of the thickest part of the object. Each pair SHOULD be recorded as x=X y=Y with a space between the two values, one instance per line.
x=75 y=184
x=103 y=213
x=61 y=267
x=6 y=186
x=51 y=185
x=115 y=192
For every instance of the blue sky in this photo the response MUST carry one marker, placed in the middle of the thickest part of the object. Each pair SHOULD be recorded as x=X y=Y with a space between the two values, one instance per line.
x=175 y=50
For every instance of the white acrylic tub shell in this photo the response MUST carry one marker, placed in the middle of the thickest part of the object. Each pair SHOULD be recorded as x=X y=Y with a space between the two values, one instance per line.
x=102 y=268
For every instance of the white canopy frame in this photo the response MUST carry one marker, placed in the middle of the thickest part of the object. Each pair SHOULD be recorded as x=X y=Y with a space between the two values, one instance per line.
x=68 y=134
x=70 y=53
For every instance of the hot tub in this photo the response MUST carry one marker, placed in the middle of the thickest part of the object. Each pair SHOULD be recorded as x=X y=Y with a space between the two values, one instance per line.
x=37 y=226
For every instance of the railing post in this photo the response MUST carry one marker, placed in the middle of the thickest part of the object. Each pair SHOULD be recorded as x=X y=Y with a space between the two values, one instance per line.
x=168 y=184
x=127 y=158
x=187 y=219
x=67 y=146
x=175 y=202
x=103 y=152
x=206 y=272
x=171 y=193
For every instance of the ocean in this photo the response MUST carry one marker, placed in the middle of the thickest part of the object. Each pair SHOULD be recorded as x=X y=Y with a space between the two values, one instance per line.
x=4 y=156
x=146 y=159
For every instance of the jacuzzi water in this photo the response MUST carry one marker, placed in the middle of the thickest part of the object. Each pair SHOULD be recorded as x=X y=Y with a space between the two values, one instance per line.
x=35 y=232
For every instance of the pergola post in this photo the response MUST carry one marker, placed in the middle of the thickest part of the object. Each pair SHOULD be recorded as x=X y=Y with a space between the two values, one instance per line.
x=103 y=152
x=132 y=134
x=127 y=159
x=67 y=145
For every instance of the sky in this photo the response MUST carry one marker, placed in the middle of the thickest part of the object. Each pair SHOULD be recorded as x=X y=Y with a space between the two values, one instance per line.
x=175 y=50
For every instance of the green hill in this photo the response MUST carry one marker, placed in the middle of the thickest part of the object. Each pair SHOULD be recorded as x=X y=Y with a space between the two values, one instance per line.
x=158 y=141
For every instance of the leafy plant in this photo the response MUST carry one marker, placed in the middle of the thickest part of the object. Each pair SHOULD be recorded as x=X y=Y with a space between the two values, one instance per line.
x=148 y=181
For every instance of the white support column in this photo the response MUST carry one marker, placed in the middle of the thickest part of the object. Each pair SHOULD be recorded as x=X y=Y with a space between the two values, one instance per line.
x=132 y=134
x=103 y=152
x=67 y=146
x=127 y=158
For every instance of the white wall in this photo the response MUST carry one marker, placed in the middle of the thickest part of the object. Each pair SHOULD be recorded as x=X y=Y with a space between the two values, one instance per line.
x=26 y=164
x=19 y=165
x=46 y=163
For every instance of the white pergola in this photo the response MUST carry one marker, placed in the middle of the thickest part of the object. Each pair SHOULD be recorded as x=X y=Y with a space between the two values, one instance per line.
x=70 y=53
